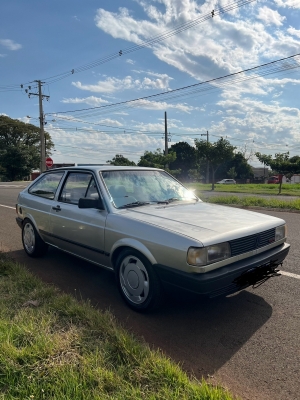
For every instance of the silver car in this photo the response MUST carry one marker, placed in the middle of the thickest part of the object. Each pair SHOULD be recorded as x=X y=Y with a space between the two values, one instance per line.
x=150 y=230
x=227 y=182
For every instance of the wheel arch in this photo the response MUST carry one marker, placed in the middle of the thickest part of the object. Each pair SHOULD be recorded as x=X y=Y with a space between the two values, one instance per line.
x=124 y=244
x=31 y=219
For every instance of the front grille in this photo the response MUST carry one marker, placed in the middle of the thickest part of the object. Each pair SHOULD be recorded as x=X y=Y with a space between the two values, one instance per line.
x=252 y=242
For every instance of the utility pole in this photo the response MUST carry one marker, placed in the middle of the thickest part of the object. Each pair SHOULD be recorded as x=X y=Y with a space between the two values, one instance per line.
x=166 y=138
x=166 y=135
x=207 y=162
x=42 y=123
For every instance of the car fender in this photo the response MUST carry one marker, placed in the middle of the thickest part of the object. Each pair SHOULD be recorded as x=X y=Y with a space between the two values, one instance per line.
x=135 y=244
x=31 y=219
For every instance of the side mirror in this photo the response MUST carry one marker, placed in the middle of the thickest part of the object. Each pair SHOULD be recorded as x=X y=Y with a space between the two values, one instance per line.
x=91 y=203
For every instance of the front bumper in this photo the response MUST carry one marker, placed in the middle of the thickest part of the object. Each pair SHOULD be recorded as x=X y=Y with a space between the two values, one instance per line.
x=19 y=222
x=224 y=280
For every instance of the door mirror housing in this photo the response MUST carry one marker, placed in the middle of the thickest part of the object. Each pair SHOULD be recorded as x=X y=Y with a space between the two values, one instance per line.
x=91 y=203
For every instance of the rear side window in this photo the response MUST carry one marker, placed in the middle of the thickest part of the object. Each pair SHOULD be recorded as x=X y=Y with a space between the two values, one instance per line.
x=78 y=185
x=46 y=186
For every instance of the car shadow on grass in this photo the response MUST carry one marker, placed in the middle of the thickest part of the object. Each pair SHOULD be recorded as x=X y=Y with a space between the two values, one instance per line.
x=201 y=334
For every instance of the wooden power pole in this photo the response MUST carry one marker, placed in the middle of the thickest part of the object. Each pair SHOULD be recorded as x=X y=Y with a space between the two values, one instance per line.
x=42 y=123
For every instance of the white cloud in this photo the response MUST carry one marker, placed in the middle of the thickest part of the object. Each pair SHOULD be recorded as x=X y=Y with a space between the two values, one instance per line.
x=94 y=146
x=270 y=17
x=10 y=44
x=293 y=31
x=109 y=121
x=263 y=109
x=215 y=48
x=25 y=119
x=257 y=86
x=288 y=3
x=121 y=113
x=158 y=127
x=265 y=122
x=275 y=95
x=111 y=84
x=3 y=55
x=162 y=105
x=161 y=81
x=91 y=100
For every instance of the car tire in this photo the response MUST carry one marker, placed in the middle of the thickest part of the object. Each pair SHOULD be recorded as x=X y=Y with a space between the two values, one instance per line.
x=137 y=281
x=33 y=244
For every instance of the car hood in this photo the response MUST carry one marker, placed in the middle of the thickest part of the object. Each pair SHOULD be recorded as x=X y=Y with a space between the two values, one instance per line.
x=204 y=222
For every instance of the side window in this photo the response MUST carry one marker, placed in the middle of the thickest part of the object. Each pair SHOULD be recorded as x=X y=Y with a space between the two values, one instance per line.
x=77 y=186
x=47 y=185
x=92 y=192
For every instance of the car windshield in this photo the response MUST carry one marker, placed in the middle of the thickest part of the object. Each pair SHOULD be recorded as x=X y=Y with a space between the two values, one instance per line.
x=134 y=188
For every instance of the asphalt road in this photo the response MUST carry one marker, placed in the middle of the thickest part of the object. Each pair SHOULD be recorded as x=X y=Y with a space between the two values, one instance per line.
x=248 y=342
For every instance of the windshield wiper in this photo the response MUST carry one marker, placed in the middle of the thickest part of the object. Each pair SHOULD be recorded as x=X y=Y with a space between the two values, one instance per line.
x=167 y=201
x=135 y=204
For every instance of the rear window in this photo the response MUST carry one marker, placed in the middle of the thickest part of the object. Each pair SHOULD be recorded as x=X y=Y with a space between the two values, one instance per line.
x=46 y=186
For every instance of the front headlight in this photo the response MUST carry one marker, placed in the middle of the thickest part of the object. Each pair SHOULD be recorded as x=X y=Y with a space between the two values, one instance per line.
x=200 y=256
x=280 y=232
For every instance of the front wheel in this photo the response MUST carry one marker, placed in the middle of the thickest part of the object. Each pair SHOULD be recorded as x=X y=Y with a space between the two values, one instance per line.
x=32 y=242
x=137 y=281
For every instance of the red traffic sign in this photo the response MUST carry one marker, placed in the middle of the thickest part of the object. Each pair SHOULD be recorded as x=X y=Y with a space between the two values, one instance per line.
x=49 y=162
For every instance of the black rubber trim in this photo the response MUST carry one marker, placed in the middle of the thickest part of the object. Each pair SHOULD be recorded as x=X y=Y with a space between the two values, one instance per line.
x=75 y=243
x=222 y=280
x=19 y=222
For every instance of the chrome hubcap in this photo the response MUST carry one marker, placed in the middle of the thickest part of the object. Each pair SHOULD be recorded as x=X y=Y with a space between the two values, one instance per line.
x=134 y=280
x=29 y=238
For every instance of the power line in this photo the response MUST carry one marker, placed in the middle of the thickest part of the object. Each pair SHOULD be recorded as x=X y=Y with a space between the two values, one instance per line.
x=146 y=43
x=280 y=65
x=158 y=38
x=254 y=142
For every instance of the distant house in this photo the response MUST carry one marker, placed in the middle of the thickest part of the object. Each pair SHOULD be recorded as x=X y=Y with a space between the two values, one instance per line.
x=260 y=173
x=294 y=179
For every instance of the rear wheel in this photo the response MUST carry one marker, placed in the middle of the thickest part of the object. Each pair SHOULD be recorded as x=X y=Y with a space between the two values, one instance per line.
x=137 y=281
x=32 y=242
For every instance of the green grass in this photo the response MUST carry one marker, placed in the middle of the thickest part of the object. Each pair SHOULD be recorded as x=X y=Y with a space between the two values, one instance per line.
x=62 y=349
x=253 y=201
x=251 y=188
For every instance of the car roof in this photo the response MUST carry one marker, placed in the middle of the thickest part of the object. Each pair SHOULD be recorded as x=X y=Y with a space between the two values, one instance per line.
x=97 y=168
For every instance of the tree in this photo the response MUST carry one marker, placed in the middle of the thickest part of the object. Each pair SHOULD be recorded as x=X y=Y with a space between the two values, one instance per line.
x=294 y=159
x=216 y=153
x=121 y=161
x=239 y=163
x=186 y=159
x=281 y=164
x=156 y=159
x=195 y=175
x=20 y=147
x=16 y=162
x=232 y=173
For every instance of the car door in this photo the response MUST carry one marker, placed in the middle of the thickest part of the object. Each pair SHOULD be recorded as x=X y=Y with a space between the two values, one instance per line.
x=75 y=230
x=38 y=201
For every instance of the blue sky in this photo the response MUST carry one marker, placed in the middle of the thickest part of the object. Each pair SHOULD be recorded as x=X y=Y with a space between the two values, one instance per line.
x=45 y=39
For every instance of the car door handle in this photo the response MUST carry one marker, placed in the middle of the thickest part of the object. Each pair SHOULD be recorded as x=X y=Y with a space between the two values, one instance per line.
x=56 y=208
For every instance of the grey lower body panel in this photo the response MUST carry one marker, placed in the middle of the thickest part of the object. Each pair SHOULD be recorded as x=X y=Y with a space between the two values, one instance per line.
x=19 y=222
x=228 y=279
